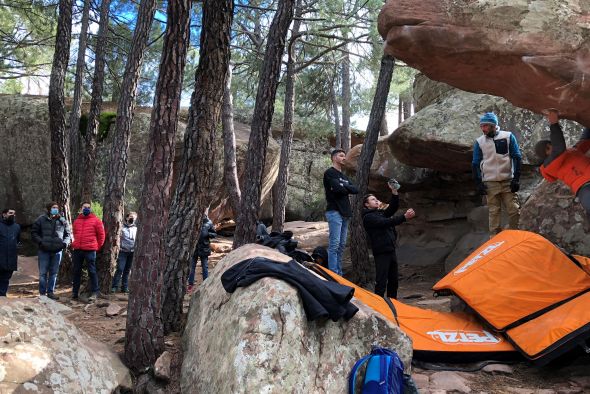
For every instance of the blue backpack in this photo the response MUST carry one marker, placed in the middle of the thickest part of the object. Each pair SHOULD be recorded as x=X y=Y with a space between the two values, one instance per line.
x=384 y=373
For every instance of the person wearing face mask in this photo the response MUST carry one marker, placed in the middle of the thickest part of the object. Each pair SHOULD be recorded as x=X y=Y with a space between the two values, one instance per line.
x=52 y=234
x=125 y=258
x=496 y=171
x=88 y=239
x=9 y=241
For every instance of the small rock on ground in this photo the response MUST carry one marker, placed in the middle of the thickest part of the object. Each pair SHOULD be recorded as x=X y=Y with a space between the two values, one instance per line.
x=498 y=369
x=113 y=310
x=450 y=381
x=162 y=366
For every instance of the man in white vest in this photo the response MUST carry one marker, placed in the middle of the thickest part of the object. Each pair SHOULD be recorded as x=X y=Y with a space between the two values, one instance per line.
x=496 y=171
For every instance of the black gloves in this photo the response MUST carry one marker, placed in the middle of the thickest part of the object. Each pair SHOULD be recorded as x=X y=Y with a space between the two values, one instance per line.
x=482 y=189
x=514 y=185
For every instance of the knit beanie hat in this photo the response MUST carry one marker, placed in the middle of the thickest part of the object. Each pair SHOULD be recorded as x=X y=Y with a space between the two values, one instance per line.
x=489 y=118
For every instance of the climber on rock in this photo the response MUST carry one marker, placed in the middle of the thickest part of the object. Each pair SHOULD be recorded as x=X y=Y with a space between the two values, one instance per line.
x=571 y=166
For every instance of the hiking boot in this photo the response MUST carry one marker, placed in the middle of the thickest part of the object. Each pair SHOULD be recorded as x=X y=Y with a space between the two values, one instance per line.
x=114 y=290
x=93 y=297
x=126 y=291
x=52 y=296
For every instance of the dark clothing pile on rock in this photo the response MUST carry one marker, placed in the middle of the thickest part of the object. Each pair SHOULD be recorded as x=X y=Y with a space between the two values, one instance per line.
x=321 y=299
x=380 y=227
x=51 y=234
x=337 y=187
x=283 y=242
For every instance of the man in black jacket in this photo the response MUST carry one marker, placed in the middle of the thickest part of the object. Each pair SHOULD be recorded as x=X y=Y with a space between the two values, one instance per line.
x=338 y=212
x=52 y=233
x=380 y=227
x=9 y=241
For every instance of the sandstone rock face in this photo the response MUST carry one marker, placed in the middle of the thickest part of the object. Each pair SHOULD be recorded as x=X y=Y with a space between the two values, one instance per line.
x=533 y=53
x=43 y=352
x=25 y=183
x=552 y=212
x=259 y=340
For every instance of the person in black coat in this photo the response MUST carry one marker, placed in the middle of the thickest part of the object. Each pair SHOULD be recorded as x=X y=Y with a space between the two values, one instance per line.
x=380 y=227
x=9 y=241
x=203 y=252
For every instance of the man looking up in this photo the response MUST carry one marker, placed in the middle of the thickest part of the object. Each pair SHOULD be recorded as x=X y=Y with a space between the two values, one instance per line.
x=337 y=187
x=496 y=171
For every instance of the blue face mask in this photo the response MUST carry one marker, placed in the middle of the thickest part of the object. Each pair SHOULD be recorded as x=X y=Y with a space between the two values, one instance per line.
x=54 y=211
x=86 y=211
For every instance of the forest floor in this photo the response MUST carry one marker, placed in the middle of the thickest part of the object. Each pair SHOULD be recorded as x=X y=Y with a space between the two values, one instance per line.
x=415 y=289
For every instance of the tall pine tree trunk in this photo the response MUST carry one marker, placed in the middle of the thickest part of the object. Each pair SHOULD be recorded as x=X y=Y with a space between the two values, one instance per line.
x=230 y=168
x=358 y=241
x=193 y=188
x=144 y=338
x=60 y=190
x=95 y=103
x=263 y=110
x=279 y=189
x=117 y=173
x=337 y=128
x=346 y=98
x=75 y=153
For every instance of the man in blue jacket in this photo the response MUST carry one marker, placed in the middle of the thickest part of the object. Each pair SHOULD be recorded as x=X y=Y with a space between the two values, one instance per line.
x=496 y=171
x=9 y=241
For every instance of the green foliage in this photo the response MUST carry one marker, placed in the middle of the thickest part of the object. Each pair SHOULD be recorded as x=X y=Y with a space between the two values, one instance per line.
x=11 y=86
x=96 y=209
x=106 y=119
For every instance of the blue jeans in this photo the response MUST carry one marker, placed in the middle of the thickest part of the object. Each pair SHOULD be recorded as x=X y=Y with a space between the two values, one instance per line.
x=4 y=279
x=338 y=227
x=48 y=268
x=124 y=261
x=78 y=258
x=204 y=265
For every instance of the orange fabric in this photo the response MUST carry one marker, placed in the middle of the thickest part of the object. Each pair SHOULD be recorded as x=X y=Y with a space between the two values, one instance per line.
x=535 y=336
x=572 y=167
x=585 y=261
x=431 y=330
x=513 y=275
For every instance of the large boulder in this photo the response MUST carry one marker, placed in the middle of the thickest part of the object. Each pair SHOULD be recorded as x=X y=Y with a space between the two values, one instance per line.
x=533 y=53
x=552 y=212
x=43 y=352
x=25 y=184
x=258 y=339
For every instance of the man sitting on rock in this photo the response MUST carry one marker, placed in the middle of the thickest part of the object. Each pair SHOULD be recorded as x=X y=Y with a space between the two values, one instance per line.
x=496 y=171
x=571 y=166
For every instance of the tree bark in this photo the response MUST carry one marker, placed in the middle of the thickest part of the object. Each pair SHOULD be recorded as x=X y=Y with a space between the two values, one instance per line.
x=407 y=107
x=95 y=103
x=337 y=128
x=263 y=110
x=193 y=188
x=358 y=243
x=230 y=168
x=346 y=98
x=60 y=190
x=144 y=337
x=384 y=128
x=279 y=189
x=115 y=181
x=74 y=140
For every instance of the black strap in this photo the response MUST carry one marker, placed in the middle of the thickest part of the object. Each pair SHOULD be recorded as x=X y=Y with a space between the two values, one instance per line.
x=393 y=310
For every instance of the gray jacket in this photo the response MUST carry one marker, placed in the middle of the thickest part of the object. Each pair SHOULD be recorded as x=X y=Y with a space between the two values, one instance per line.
x=128 y=235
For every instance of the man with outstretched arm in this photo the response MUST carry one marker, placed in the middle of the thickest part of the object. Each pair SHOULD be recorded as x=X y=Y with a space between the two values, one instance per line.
x=571 y=166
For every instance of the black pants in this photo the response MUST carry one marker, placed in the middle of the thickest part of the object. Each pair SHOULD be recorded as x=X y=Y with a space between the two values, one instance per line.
x=4 y=279
x=386 y=274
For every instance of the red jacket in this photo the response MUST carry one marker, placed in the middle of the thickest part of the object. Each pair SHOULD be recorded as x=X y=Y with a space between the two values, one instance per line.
x=572 y=167
x=88 y=233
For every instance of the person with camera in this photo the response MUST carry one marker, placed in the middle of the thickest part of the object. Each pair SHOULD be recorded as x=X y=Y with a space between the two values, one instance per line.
x=380 y=225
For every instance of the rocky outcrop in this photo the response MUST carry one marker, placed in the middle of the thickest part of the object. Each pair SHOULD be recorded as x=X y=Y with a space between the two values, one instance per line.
x=25 y=184
x=43 y=352
x=533 y=53
x=553 y=212
x=259 y=340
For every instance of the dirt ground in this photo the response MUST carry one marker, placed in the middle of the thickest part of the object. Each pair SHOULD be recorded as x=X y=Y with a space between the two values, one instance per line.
x=415 y=289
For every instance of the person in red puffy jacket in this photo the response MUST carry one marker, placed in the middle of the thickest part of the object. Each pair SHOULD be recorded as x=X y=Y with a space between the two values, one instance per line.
x=88 y=239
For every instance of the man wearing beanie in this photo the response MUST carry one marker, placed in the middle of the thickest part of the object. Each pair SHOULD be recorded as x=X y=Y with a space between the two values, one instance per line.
x=496 y=171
